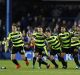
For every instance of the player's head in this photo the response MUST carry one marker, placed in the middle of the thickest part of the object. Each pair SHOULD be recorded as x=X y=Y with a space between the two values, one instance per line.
x=78 y=28
x=40 y=29
x=63 y=29
x=14 y=28
x=36 y=29
x=18 y=28
x=48 y=32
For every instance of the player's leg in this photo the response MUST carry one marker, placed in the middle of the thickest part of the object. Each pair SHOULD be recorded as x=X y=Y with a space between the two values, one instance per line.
x=61 y=59
x=41 y=53
x=36 y=56
x=22 y=52
x=41 y=58
x=34 y=59
x=25 y=59
x=13 y=57
x=75 y=56
x=62 y=54
x=41 y=61
x=51 y=58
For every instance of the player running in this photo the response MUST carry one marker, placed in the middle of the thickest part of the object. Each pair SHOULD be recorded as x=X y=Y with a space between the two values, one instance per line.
x=55 y=48
x=17 y=46
x=75 y=43
x=39 y=47
x=67 y=44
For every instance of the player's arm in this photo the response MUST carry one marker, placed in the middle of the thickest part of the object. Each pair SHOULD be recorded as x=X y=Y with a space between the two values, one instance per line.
x=7 y=43
x=45 y=47
x=72 y=34
x=21 y=36
x=48 y=45
x=59 y=39
x=32 y=41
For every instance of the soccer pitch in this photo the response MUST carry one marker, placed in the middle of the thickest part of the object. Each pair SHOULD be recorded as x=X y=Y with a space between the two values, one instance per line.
x=27 y=70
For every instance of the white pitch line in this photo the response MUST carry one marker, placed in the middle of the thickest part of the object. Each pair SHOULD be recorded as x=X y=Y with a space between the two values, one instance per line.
x=66 y=71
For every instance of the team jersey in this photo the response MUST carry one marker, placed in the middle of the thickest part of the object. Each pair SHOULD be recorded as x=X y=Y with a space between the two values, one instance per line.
x=75 y=40
x=54 y=42
x=65 y=39
x=16 y=39
x=39 y=39
x=77 y=34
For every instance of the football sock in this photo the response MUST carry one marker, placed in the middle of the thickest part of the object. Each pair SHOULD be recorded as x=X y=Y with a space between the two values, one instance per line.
x=53 y=61
x=15 y=61
x=34 y=60
x=76 y=60
x=62 y=61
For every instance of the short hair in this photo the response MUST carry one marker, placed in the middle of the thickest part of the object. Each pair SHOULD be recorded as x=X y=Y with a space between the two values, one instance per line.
x=64 y=25
x=14 y=24
x=47 y=30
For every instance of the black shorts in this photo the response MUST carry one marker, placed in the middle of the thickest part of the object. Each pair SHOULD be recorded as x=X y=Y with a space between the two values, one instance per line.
x=17 y=49
x=69 y=50
x=54 y=52
x=39 y=50
x=29 y=48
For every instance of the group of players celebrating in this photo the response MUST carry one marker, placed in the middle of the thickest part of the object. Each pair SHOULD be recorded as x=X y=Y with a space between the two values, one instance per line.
x=43 y=41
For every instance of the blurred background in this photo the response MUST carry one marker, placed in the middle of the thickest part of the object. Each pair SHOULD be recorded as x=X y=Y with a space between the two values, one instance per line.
x=28 y=14
x=34 y=12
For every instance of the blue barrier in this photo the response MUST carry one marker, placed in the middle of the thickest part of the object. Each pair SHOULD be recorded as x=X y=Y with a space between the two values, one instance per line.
x=4 y=55
x=30 y=55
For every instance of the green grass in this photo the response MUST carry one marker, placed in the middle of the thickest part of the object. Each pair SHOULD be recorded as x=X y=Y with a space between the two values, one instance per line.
x=24 y=70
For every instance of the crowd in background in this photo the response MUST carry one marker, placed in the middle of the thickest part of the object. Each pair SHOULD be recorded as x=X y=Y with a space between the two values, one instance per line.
x=47 y=14
x=54 y=25
x=29 y=15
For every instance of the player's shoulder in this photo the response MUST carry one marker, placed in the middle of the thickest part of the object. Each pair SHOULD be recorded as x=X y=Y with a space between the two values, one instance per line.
x=19 y=32
x=64 y=33
x=60 y=34
x=10 y=33
x=52 y=36
x=55 y=37
x=34 y=33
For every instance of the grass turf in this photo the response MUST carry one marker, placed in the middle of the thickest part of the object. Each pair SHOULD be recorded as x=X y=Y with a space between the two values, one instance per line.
x=27 y=70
